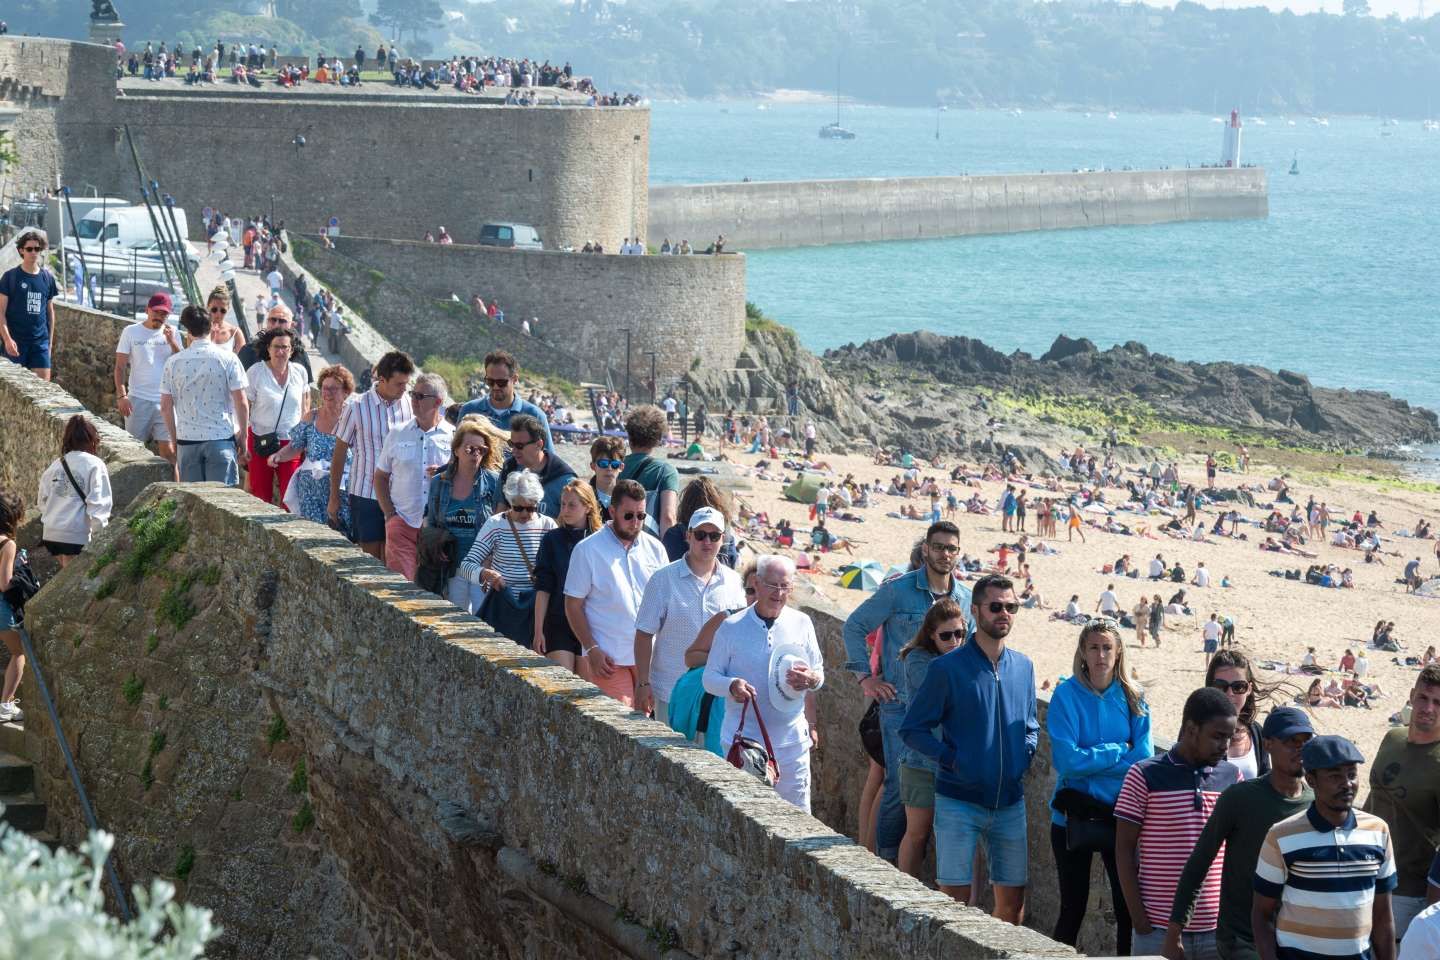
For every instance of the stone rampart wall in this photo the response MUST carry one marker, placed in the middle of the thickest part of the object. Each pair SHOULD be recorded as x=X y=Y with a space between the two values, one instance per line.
x=812 y=212
x=428 y=745
x=680 y=307
x=396 y=166
x=84 y=356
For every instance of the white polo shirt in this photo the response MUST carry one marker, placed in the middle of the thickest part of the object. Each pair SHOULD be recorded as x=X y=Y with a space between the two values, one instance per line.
x=741 y=650
x=408 y=455
x=675 y=606
x=611 y=580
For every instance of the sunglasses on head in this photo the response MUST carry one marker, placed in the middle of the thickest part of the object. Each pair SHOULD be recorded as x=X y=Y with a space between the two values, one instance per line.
x=609 y=464
x=1236 y=687
x=995 y=606
x=632 y=515
x=950 y=635
x=711 y=535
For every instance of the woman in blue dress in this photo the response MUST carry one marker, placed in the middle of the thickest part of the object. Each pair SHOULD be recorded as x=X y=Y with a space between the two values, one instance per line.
x=464 y=495
x=314 y=439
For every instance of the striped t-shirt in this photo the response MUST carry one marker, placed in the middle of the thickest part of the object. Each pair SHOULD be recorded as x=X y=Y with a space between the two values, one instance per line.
x=497 y=545
x=1171 y=800
x=1325 y=878
x=363 y=426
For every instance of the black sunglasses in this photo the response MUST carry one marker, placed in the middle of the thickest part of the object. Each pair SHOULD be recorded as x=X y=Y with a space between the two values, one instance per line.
x=1236 y=687
x=519 y=509
x=749 y=591
x=949 y=635
x=996 y=606
x=711 y=535
x=492 y=382
x=632 y=515
x=31 y=249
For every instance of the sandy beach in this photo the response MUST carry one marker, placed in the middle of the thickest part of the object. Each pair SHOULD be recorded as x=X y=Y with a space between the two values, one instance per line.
x=1275 y=619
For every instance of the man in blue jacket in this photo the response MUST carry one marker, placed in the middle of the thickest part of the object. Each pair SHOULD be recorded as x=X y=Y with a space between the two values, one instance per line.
x=982 y=695
x=899 y=606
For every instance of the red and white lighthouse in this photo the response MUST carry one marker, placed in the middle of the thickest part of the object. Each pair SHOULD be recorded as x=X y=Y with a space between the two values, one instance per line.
x=1230 y=152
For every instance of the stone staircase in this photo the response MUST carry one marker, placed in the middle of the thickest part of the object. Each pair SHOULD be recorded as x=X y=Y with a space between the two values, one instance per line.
x=23 y=809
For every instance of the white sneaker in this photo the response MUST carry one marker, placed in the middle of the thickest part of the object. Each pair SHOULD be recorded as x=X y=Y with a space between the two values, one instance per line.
x=11 y=713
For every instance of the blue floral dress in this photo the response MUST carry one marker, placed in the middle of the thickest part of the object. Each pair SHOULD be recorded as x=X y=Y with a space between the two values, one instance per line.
x=314 y=490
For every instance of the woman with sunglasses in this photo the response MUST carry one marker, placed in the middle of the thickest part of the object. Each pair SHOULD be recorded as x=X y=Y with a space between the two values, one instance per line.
x=579 y=517
x=223 y=332
x=942 y=630
x=1230 y=673
x=463 y=496
x=1099 y=727
x=502 y=559
x=607 y=459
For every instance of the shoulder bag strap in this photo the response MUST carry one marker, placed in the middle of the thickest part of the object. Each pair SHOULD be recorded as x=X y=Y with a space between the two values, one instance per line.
x=66 y=467
x=521 y=544
x=764 y=734
x=289 y=379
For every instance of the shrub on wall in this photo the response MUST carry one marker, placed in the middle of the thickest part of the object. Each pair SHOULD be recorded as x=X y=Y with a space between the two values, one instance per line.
x=54 y=907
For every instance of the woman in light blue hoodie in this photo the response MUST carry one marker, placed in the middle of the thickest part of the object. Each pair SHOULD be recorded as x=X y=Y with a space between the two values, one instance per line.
x=1099 y=726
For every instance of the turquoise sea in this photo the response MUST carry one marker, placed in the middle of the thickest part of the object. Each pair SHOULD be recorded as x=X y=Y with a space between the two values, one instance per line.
x=1342 y=282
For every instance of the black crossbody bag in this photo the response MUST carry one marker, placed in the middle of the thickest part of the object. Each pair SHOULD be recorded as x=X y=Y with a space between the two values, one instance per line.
x=268 y=443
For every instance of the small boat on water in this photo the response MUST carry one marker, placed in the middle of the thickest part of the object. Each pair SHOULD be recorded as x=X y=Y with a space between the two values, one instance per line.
x=1295 y=166
x=1111 y=116
x=833 y=131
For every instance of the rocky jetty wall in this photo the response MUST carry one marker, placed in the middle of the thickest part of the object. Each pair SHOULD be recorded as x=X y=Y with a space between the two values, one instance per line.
x=802 y=213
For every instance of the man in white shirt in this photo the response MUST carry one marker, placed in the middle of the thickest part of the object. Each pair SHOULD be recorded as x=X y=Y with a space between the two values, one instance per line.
x=141 y=352
x=1422 y=937
x=608 y=573
x=363 y=426
x=202 y=397
x=1211 y=634
x=409 y=456
x=276 y=280
x=767 y=657
x=1202 y=576
x=1158 y=568
x=679 y=599
x=809 y=439
x=1108 y=604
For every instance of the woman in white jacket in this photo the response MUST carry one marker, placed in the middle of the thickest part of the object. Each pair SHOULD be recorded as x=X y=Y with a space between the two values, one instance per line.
x=74 y=492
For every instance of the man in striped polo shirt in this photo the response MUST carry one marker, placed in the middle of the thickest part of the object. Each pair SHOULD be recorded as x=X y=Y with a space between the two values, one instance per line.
x=361 y=433
x=1327 y=871
x=1159 y=815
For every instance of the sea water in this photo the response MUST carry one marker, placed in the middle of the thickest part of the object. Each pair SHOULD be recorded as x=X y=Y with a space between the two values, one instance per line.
x=1341 y=283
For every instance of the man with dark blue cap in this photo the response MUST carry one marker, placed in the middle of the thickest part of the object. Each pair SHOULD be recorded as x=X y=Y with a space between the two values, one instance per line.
x=1324 y=877
x=1243 y=815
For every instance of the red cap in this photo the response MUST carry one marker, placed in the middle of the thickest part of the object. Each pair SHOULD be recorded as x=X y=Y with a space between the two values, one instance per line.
x=160 y=299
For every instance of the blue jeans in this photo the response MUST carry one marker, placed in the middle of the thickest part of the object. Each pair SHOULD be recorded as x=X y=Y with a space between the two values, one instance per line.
x=1198 y=946
x=960 y=826
x=890 y=817
x=211 y=461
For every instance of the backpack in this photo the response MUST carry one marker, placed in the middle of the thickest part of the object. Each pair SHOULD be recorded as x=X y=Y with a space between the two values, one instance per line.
x=23 y=584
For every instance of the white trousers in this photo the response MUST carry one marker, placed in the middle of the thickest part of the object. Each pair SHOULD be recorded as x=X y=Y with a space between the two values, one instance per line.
x=794 y=762
x=464 y=594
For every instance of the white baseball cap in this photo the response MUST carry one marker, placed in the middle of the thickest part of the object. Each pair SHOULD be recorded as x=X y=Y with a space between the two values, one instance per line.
x=708 y=515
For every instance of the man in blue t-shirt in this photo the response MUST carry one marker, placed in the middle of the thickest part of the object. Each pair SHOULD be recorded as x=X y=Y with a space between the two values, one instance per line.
x=501 y=375
x=27 y=293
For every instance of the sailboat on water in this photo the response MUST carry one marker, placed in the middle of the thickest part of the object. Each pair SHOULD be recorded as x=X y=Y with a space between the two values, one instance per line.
x=833 y=131
x=1295 y=165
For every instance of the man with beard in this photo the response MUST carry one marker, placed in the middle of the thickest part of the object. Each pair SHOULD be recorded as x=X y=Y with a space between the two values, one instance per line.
x=603 y=589
x=982 y=696
x=1323 y=881
x=1159 y=816
x=899 y=607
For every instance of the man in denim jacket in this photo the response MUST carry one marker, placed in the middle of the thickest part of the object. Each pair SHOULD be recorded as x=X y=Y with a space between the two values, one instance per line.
x=899 y=606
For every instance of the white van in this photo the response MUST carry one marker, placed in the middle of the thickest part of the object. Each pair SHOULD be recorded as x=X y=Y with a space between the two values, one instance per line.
x=125 y=227
x=519 y=236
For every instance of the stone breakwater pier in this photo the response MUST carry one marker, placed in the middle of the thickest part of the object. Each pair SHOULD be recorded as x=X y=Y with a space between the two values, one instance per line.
x=800 y=213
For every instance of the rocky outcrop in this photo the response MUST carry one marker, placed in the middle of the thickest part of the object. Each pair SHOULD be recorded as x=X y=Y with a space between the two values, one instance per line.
x=1239 y=396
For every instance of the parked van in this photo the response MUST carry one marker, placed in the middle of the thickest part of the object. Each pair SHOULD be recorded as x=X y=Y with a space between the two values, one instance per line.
x=520 y=236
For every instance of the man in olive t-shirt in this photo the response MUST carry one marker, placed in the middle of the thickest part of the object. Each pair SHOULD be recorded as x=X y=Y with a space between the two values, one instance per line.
x=1241 y=818
x=1405 y=793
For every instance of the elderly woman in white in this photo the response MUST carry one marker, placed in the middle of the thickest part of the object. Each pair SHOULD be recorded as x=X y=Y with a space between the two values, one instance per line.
x=767 y=655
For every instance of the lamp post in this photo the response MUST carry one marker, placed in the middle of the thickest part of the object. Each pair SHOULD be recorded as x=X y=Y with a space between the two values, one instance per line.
x=627 y=364
x=654 y=384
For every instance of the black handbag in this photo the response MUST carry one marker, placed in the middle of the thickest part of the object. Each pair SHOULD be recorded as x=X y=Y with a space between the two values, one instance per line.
x=1089 y=823
x=268 y=443
x=23 y=583
x=435 y=552
x=510 y=611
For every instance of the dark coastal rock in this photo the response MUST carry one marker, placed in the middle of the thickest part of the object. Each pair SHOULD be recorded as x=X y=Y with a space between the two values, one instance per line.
x=1238 y=396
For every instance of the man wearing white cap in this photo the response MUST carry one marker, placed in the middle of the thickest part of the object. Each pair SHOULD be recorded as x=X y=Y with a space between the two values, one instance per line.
x=767 y=655
x=679 y=599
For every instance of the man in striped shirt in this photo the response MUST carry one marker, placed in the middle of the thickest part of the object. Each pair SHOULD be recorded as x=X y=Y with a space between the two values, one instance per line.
x=1328 y=871
x=1159 y=815
x=362 y=430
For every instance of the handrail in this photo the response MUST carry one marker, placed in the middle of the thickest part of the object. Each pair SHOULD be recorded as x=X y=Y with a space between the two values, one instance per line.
x=85 y=807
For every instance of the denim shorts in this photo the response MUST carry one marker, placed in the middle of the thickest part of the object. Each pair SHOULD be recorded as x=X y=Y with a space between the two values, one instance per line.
x=960 y=826
x=7 y=615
